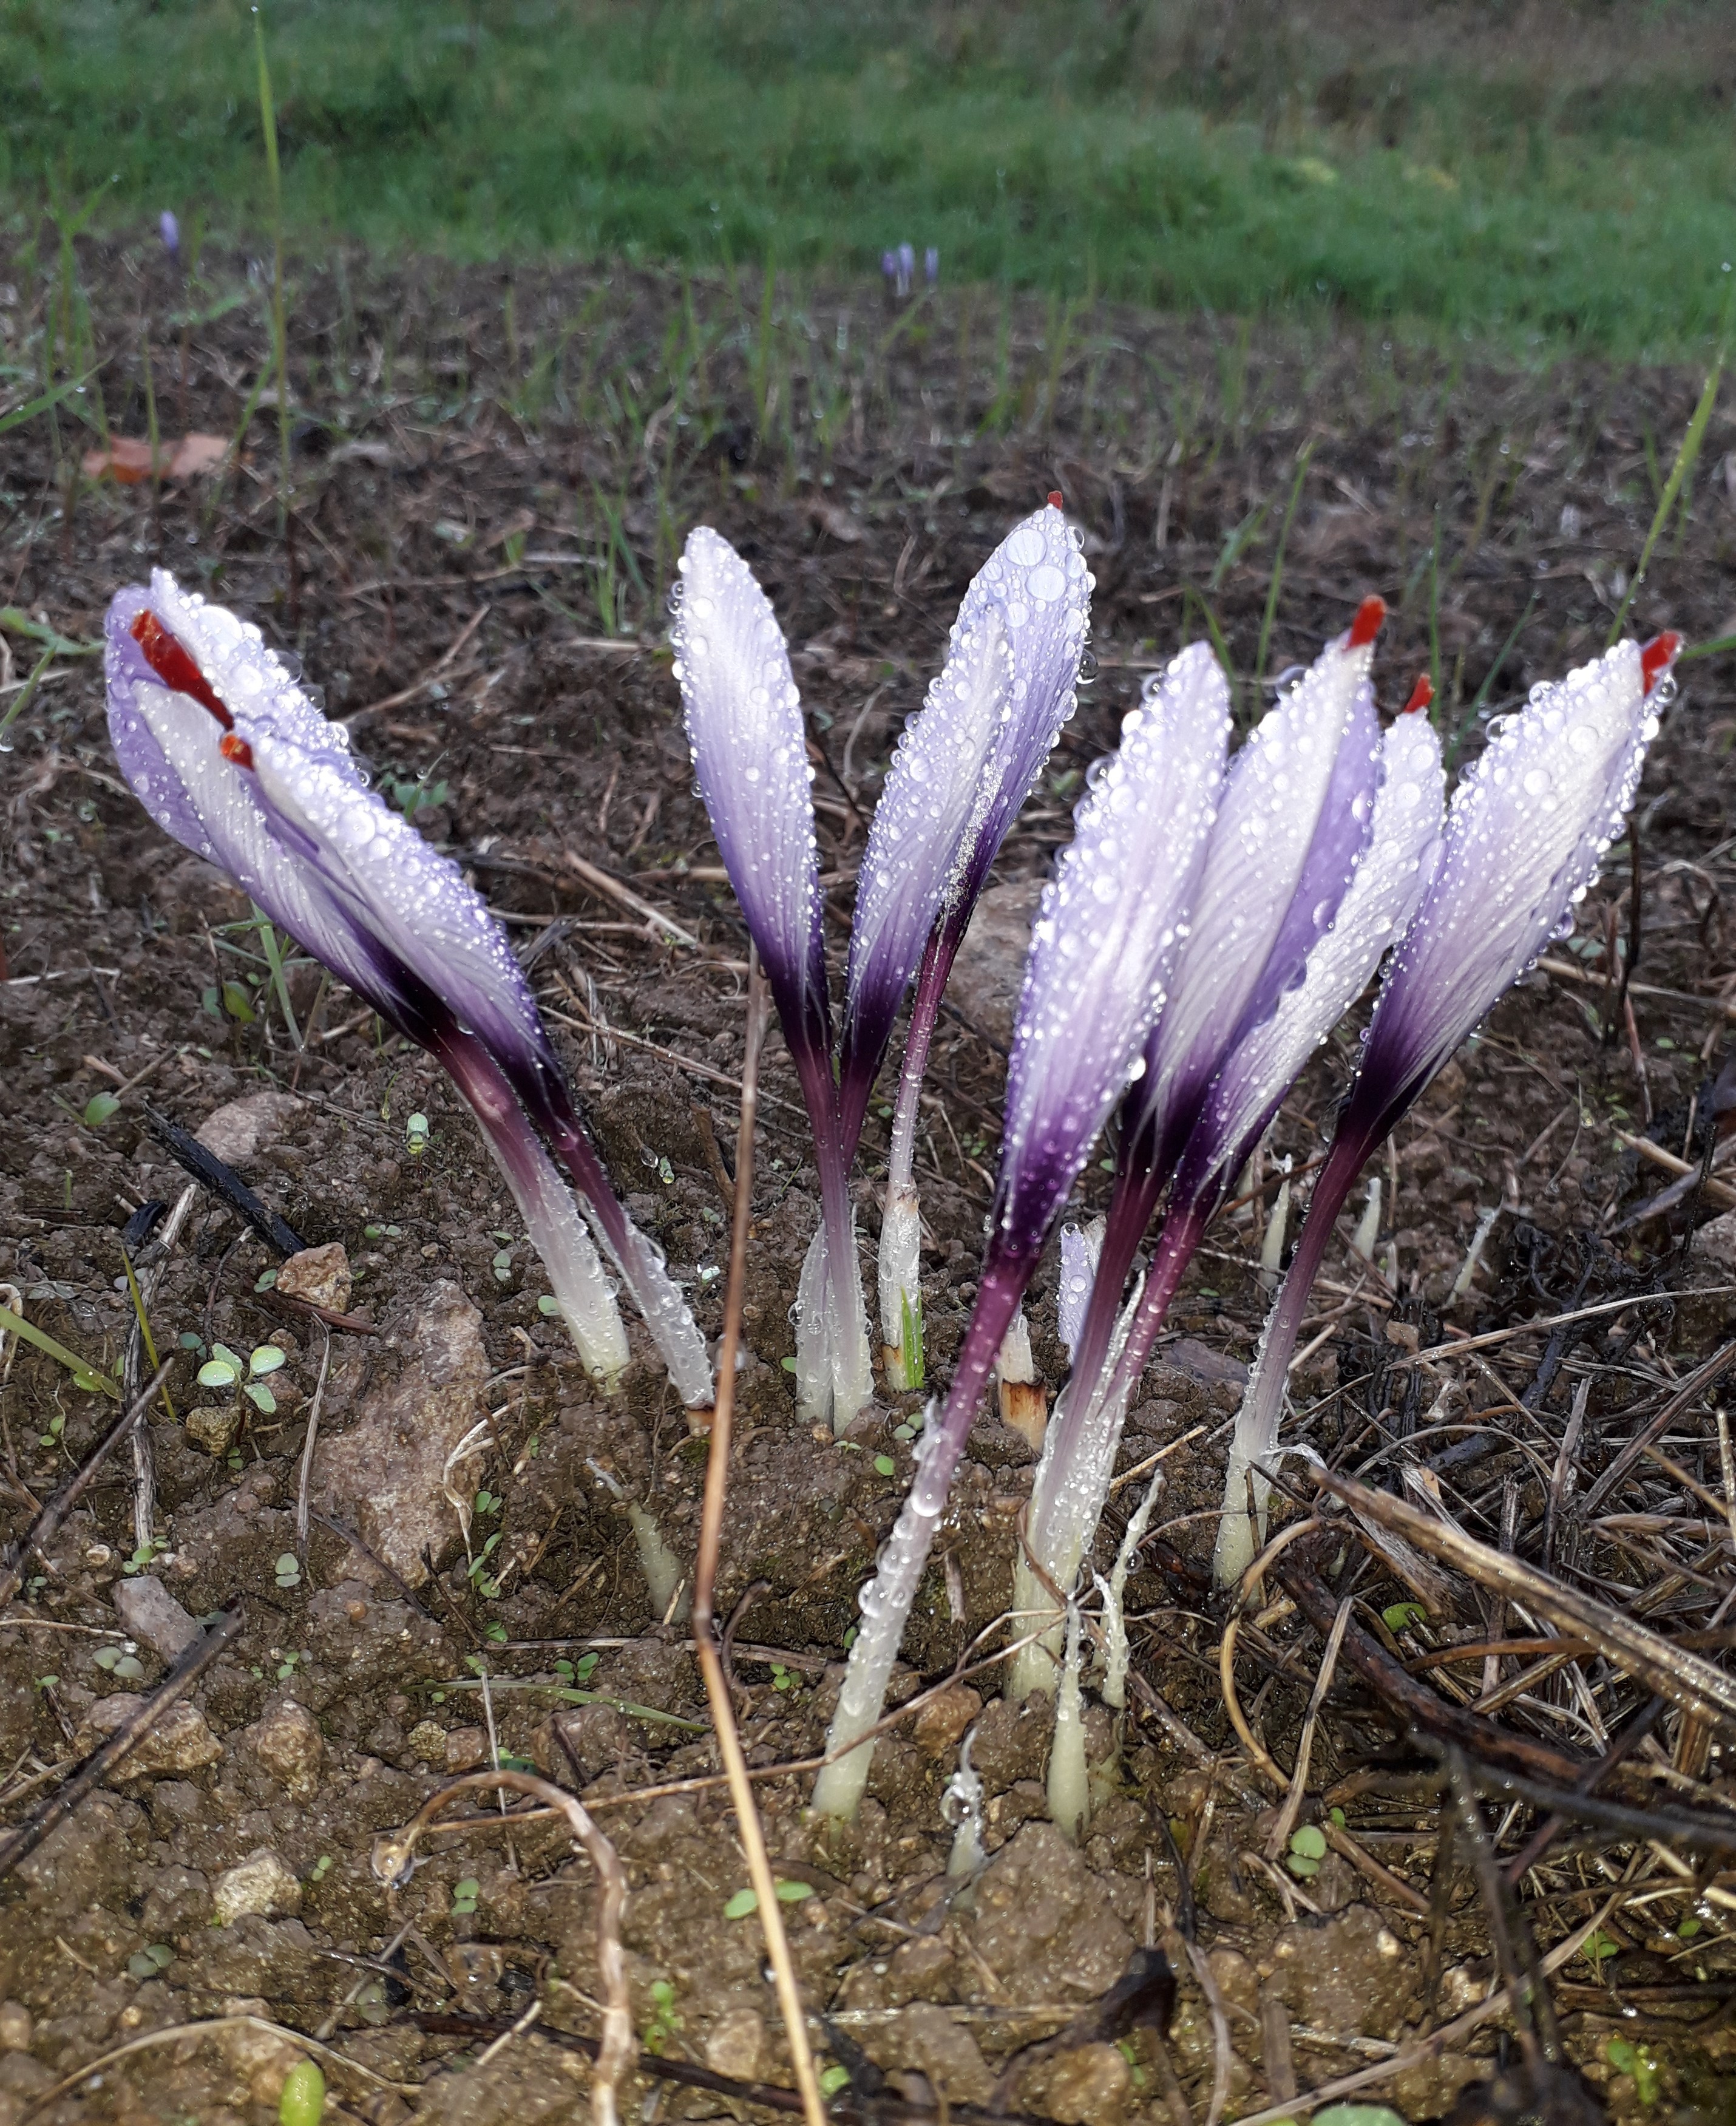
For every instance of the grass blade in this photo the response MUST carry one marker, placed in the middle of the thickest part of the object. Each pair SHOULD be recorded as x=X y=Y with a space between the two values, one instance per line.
x=1277 y=562
x=86 y=1376
x=1684 y=464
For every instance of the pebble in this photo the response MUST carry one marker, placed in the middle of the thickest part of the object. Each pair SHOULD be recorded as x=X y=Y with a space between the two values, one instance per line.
x=287 y=1742
x=1089 y=2087
x=321 y=1276
x=16 y=2028
x=150 y=1613
x=466 y=1748
x=426 y=1743
x=236 y=1131
x=736 y=2044
x=937 y=1727
x=260 y=1883
x=179 y=1742
x=214 y=1430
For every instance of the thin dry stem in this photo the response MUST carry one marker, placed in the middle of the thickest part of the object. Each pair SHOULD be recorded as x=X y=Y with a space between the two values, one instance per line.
x=705 y=1578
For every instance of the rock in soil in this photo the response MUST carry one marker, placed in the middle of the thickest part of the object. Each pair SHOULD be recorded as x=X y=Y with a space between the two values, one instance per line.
x=382 y=1473
x=737 y=2044
x=321 y=1276
x=152 y=1614
x=260 y=1883
x=1349 y=1976
x=214 y=1430
x=1044 y=1925
x=180 y=1740
x=288 y=1743
x=989 y=971
x=236 y=1131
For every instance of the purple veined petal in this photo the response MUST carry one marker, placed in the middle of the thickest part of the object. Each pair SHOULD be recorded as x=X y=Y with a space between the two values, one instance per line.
x=1282 y=856
x=1526 y=832
x=963 y=768
x=1403 y=848
x=1103 y=945
x=750 y=752
x=169 y=230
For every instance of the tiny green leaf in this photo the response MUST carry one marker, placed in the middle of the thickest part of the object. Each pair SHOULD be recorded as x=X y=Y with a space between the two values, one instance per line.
x=885 y=1466
x=99 y=1108
x=1398 y=1617
x=743 y=1902
x=1310 y=1841
x=302 y=2102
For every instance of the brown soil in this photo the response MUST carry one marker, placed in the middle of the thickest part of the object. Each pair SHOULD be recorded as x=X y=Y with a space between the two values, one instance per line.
x=444 y=454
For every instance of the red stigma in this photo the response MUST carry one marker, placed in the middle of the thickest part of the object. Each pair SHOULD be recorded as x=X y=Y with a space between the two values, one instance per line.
x=1371 y=618
x=172 y=663
x=1658 y=656
x=235 y=747
x=1422 y=695
x=1057 y=500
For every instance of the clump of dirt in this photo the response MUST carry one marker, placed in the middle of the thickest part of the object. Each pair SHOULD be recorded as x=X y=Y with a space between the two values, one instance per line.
x=446 y=515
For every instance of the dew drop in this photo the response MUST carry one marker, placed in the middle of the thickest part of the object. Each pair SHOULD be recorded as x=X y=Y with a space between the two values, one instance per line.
x=1025 y=546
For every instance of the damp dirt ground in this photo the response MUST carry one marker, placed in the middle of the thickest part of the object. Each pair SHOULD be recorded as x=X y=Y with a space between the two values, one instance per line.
x=490 y=481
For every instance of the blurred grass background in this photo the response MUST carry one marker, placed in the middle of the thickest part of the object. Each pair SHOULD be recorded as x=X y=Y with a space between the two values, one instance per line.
x=1536 y=177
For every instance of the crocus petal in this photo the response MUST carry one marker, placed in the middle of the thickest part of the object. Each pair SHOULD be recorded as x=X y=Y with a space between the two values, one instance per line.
x=1296 y=811
x=1104 y=944
x=1080 y=1247
x=965 y=765
x=1403 y=850
x=750 y=752
x=1528 y=827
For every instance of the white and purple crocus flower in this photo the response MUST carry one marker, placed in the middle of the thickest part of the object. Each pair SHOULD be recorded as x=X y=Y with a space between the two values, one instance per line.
x=965 y=766
x=229 y=756
x=1112 y=923
x=1527 y=828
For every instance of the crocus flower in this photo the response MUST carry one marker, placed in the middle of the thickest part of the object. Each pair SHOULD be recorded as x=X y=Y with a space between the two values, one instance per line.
x=1527 y=828
x=931 y=265
x=750 y=751
x=228 y=755
x=907 y=268
x=1111 y=922
x=170 y=231
x=963 y=768
x=1078 y=1459
x=1297 y=808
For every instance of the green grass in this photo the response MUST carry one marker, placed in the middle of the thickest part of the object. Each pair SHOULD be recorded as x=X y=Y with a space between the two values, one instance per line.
x=1077 y=146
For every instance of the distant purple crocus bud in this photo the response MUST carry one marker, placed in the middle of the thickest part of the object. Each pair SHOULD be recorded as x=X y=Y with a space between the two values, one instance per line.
x=931 y=265
x=170 y=230
x=229 y=756
x=889 y=270
x=907 y=268
x=1111 y=922
x=750 y=752
x=1527 y=830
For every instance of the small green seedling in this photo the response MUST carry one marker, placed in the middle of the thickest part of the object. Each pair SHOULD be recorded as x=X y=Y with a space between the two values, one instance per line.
x=579 y=1672
x=56 y=1426
x=747 y=1902
x=1307 y=1851
x=121 y=1662
x=504 y=1265
x=487 y=1502
x=546 y=1305
x=1402 y=1615
x=143 y=1557
x=302 y=2102
x=225 y=1368
x=321 y=1869
x=416 y=1136
x=465 y=1893
x=782 y=1678
x=100 y=1109
x=149 y=1962
x=288 y=1570
x=885 y=1466
x=382 y=1232
x=835 y=2078
x=662 y=2022
x=1627 y=2058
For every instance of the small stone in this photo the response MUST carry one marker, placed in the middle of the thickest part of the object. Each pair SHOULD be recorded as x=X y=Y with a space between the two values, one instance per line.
x=426 y=1743
x=236 y=1131
x=990 y=971
x=466 y=1748
x=265 y=2059
x=287 y=1742
x=15 y=2030
x=937 y=1727
x=260 y=1883
x=736 y=2044
x=180 y=1741
x=150 y=1613
x=321 y=1276
x=1089 y=2087
x=214 y=1430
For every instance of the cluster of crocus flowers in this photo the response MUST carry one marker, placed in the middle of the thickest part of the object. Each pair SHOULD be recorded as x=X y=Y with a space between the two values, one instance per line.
x=229 y=756
x=1281 y=895
x=965 y=764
